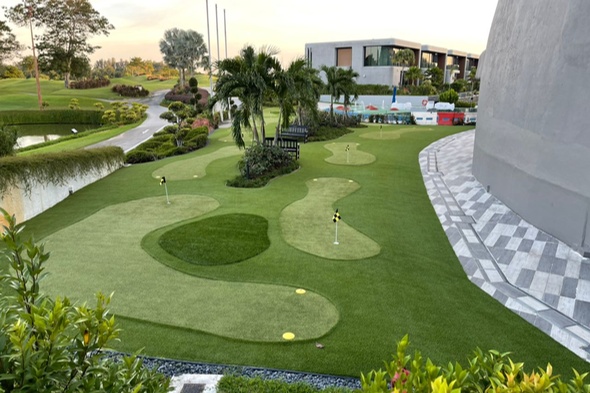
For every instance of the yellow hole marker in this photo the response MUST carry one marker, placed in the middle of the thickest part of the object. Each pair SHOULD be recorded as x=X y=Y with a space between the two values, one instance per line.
x=288 y=336
x=195 y=175
x=300 y=291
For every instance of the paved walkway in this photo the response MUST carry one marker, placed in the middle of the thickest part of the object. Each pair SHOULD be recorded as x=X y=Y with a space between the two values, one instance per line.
x=533 y=274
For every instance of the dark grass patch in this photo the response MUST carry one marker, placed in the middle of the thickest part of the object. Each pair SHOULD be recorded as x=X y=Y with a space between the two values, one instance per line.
x=218 y=240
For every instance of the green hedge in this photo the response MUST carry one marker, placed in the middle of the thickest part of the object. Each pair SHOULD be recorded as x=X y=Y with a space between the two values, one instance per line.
x=58 y=116
x=162 y=145
x=240 y=384
x=56 y=168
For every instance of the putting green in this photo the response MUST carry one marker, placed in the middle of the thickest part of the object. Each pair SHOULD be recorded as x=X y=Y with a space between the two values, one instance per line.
x=307 y=224
x=352 y=156
x=103 y=253
x=393 y=134
x=194 y=167
x=218 y=240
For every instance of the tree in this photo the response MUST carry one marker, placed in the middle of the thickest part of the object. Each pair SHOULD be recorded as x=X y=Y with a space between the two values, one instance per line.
x=413 y=75
x=339 y=82
x=405 y=58
x=450 y=96
x=184 y=50
x=67 y=26
x=13 y=72
x=8 y=43
x=436 y=76
x=52 y=345
x=248 y=77
x=27 y=66
x=179 y=115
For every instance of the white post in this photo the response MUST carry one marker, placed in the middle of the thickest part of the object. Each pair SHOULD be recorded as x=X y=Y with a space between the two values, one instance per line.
x=166 y=188
x=336 y=238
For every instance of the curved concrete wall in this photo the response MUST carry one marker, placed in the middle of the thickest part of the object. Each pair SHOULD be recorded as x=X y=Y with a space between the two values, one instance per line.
x=532 y=143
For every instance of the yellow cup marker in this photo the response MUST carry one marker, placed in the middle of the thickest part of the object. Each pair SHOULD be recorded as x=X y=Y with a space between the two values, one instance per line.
x=288 y=336
x=300 y=291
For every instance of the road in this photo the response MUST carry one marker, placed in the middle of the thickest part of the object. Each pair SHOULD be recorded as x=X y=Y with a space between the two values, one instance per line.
x=132 y=138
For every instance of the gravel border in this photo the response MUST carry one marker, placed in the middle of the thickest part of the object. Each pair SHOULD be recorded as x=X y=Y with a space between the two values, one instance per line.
x=171 y=368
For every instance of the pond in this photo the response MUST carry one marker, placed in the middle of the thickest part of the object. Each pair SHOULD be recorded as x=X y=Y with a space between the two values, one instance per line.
x=32 y=134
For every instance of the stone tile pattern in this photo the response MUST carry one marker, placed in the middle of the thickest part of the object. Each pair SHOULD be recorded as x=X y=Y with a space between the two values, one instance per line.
x=528 y=271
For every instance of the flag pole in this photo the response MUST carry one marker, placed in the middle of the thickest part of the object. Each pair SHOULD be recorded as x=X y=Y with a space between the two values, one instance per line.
x=336 y=218
x=166 y=188
x=336 y=238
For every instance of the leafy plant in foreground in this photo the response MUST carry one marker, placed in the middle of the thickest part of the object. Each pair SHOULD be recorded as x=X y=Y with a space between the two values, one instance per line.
x=52 y=345
x=489 y=371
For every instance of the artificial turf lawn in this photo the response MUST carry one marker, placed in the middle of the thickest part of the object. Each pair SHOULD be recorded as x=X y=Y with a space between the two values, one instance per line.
x=348 y=154
x=414 y=285
x=218 y=240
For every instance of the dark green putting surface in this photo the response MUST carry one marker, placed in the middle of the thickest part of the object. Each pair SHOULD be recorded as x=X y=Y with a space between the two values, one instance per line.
x=218 y=240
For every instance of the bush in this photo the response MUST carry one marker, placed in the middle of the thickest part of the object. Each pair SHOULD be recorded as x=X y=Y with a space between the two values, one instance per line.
x=328 y=133
x=90 y=83
x=489 y=371
x=449 y=96
x=137 y=156
x=240 y=384
x=54 y=116
x=53 y=345
x=130 y=91
x=56 y=168
x=262 y=163
x=465 y=104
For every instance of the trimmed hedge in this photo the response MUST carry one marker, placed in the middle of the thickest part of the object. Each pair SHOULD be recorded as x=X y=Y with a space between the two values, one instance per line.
x=163 y=145
x=56 y=168
x=57 y=116
x=240 y=384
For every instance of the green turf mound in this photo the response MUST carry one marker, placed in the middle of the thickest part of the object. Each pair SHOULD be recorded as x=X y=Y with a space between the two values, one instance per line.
x=218 y=240
x=307 y=224
x=194 y=168
x=103 y=253
x=347 y=154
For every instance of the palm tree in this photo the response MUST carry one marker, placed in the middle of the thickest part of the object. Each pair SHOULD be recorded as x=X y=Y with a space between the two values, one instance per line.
x=405 y=58
x=339 y=82
x=414 y=74
x=295 y=88
x=248 y=77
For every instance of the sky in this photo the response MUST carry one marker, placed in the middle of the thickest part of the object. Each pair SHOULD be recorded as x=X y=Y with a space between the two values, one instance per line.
x=461 y=25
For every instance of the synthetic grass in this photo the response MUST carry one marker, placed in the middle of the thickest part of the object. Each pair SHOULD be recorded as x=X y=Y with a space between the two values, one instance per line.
x=307 y=224
x=348 y=154
x=414 y=285
x=194 y=167
x=218 y=240
x=103 y=253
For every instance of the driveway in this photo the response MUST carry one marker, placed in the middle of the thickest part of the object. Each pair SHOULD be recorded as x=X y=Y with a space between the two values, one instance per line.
x=132 y=138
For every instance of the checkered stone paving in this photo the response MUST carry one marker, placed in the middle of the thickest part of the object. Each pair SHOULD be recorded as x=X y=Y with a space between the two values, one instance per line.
x=530 y=272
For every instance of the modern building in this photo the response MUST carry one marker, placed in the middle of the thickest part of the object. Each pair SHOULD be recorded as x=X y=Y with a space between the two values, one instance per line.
x=374 y=59
x=532 y=144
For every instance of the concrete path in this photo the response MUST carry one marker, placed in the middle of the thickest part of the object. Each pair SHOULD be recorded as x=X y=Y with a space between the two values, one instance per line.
x=533 y=274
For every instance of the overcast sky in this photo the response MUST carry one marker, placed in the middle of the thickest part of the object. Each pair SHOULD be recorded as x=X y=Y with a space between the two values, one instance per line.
x=461 y=25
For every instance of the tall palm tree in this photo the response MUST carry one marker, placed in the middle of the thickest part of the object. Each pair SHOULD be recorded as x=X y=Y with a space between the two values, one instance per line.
x=248 y=77
x=405 y=58
x=339 y=82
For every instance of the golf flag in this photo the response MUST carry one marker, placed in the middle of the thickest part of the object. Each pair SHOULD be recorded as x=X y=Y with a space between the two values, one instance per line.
x=347 y=147
x=336 y=217
x=163 y=180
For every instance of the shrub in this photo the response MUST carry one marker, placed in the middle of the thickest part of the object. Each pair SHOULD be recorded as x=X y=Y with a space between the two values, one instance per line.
x=90 y=83
x=449 y=96
x=239 y=384
x=130 y=91
x=489 y=371
x=55 y=116
x=53 y=345
x=465 y=104
x=56 y=168
x=137 y=156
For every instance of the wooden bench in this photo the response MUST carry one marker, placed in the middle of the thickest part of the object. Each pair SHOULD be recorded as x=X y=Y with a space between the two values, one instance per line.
x=295 y=131
x=288 y=145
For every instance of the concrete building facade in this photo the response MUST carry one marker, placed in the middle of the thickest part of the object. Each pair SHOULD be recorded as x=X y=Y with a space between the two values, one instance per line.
x=532 y=143
x=374 y=59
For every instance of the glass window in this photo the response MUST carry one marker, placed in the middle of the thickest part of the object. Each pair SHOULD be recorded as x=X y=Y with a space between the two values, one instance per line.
x=379 y=55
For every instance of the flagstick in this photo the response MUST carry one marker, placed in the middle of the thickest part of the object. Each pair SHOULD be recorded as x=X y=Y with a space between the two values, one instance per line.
x=347 y=154
x=166 y=188
x=336 y=239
